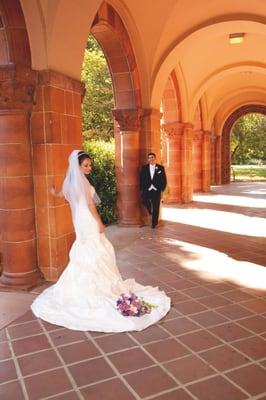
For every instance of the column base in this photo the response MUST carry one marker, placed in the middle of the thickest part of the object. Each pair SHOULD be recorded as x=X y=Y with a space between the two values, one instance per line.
x=129 y=224
x=174 y=200
x=20 y=281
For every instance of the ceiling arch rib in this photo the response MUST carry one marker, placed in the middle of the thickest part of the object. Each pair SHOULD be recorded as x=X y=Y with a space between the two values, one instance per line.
x=175 y=50
x=183 y=52
x=235 y=102
x=218 y=77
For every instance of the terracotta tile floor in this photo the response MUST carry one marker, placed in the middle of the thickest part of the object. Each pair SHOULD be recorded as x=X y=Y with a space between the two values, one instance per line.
x=209 y=257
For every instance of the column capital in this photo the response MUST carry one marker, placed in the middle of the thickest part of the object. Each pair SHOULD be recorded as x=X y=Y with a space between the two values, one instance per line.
x=173 y=129
x=207 y=133
x=188 y=125
x=152 y=112
x=198 y=135
x=128 y=119
x=17 y=87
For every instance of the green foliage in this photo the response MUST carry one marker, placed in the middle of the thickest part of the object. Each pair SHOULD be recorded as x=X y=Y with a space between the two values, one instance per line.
x=102 y=176
x=93 y=45
x=248 y=173
x=98 y=103
x=248 y=141
x=98 y=128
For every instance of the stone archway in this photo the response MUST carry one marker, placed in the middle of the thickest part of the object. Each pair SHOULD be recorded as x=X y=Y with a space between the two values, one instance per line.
x=111 y=34
x=226 y=136
x=40 y=123
x=56 y=130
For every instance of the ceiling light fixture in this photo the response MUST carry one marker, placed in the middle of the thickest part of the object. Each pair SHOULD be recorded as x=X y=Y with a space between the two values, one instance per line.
x=236 y=38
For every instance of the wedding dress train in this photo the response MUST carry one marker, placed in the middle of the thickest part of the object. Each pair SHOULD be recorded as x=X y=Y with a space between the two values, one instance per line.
x=84 y=298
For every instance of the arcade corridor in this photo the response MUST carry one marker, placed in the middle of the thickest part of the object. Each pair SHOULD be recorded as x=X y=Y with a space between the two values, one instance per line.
x=210 y=346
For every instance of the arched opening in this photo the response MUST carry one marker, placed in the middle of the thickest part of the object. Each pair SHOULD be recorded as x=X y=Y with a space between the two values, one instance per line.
x=111 y=34
x=248 y=148
x=98 y=127
x=226 y=136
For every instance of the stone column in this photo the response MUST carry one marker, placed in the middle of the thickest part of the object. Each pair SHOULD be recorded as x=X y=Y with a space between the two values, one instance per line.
x=206 y=161
x=56 y=131
x=172 y=160
x=19 y=256
x=127 y=147
x=197 y=149
x=225 y=159
x=150 y=139
x=186 y=163
x=212 y=159
x=218 y=160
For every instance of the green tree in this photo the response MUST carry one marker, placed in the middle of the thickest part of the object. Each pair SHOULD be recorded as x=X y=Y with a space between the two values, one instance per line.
x=98 y=129
x=102 y=176
x=98 y=103
x=248 y=142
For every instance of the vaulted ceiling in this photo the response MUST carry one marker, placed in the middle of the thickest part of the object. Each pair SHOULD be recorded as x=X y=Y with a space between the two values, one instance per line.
x=188 y=37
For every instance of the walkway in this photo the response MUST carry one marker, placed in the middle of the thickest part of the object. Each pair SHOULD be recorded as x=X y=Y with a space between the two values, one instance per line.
x=208 y=256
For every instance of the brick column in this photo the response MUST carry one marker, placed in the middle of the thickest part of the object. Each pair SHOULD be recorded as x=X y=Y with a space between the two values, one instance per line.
x=206 y=161
x=197 y=149
x=218 y=160
x=56 y=131
x=150 y=139
x=212 y=160
x=19 y=258
x=172 y=160
x=186 y=163
x=225 y=159
x=127 y=145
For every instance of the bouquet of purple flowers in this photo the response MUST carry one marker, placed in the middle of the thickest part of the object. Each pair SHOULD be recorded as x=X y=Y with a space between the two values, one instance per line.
x=132 y=306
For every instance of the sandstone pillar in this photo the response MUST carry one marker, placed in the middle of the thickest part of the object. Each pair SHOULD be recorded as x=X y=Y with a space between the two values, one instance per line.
x=56 y=131
x=17 y=218
x=206 y=161
x=150 y=140
x=186 y=163
x=127 y=148
x=197 y=152
x=218 y=160
x=172 y=160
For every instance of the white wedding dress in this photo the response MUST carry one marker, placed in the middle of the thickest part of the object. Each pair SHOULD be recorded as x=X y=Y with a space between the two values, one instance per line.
x=84 y=298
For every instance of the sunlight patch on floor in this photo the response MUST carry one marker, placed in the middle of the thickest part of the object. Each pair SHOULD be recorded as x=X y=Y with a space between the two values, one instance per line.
x=241 y=201
x=217 y=220
x=212 y=265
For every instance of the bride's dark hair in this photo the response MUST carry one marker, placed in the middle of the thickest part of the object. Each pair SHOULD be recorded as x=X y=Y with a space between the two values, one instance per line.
x=82 y=156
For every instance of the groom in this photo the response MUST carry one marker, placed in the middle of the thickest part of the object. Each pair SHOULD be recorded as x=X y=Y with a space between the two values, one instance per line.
x=152 y=183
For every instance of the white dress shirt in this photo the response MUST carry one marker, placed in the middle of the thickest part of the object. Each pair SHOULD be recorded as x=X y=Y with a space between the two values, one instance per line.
x=152 y=172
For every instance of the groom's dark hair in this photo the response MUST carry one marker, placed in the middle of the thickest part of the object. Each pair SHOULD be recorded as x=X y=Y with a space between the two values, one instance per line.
x=152 y=154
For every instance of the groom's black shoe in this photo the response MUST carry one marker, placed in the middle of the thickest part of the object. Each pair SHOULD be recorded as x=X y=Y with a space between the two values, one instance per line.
x=154 y=226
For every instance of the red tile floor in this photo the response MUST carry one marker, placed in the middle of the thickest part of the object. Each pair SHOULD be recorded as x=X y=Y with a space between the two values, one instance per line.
x=208 y=256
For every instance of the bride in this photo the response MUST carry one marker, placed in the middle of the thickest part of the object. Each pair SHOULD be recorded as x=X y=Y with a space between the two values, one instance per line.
x=85 y=296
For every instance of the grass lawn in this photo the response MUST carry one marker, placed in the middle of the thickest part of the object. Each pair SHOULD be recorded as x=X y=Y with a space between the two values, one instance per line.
x=248 y=173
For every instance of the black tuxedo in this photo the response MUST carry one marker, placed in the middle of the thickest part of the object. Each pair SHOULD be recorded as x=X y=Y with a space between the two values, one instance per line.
x=151 y=198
